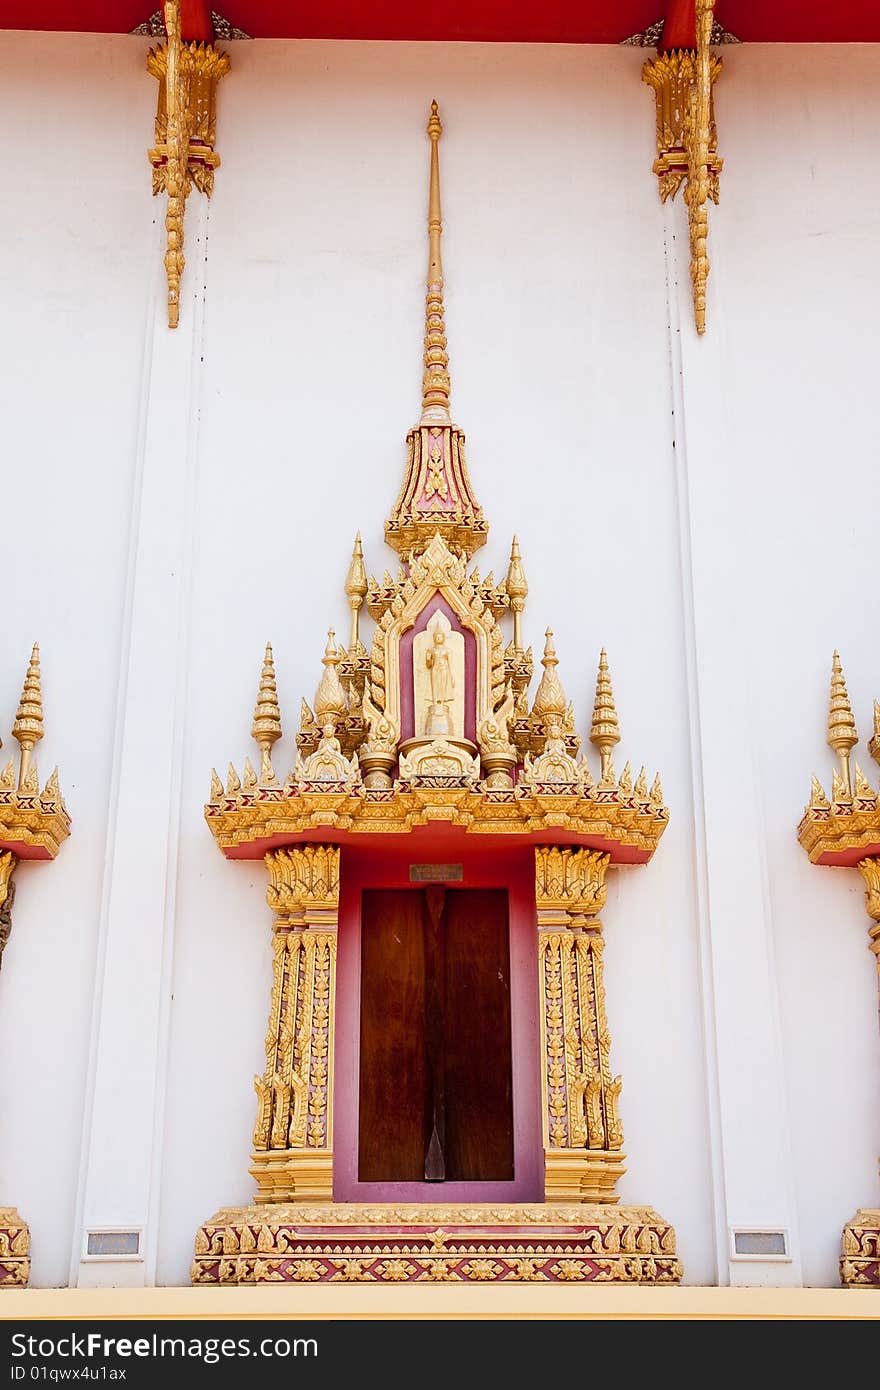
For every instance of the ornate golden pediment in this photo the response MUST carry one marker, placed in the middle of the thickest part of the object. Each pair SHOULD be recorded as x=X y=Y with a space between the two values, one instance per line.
x=430 y=721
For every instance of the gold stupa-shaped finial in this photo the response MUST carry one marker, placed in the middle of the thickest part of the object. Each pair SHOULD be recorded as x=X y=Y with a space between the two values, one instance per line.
x=517 y=590
x=604 y=731
x=266 y=728
x=330 y=703
x=436 y=498
x=28 y=726
x=356 y=589
x=842 y=735
x=550 y=698
x=435 y=382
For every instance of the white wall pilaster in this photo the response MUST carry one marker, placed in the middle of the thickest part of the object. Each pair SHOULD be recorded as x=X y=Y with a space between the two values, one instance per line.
x=749 y=1128
x=124 y=1114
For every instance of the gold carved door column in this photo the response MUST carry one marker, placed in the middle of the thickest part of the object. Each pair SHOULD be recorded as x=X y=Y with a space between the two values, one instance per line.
x=293 y=1135
x=582 y=1130
x=870 y=870
x=860 y=1246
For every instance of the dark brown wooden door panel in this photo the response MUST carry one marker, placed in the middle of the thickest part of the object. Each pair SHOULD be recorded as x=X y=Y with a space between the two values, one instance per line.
x=393 y=1079
x=435 y=1072
x=479 y=1100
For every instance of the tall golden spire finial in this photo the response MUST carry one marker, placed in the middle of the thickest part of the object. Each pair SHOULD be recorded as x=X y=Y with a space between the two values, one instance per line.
x=28 y=726
x=517 y=591
x=436 y=497
x=842 y=735
x=604 y=731
x=356 y=589
x=435 y=382
x=266 y=728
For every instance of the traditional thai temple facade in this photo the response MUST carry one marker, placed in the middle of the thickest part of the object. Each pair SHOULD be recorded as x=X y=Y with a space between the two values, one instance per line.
x=521 y=1007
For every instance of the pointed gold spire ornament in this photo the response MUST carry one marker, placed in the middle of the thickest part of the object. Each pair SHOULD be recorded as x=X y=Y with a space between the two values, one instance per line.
x=28 y=726
x=266 y=728
x=842 y=735
x=517 y=591
x=604 y=731
x=436 y=496
x=435 y=383
x=356 y=589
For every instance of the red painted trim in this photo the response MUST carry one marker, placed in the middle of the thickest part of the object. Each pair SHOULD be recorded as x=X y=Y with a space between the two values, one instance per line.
x=453 y=837
x=850 y=858
x=23 y=851
x=510 y=869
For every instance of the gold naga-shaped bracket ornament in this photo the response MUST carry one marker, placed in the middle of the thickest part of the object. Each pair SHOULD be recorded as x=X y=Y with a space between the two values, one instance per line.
x=687 y=139
x=186 y=131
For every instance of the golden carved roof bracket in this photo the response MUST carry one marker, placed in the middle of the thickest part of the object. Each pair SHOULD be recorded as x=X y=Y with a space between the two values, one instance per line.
x=687 y=139
x=183 y=156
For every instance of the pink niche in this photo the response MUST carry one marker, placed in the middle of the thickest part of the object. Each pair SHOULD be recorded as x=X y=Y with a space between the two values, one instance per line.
x=407 y=714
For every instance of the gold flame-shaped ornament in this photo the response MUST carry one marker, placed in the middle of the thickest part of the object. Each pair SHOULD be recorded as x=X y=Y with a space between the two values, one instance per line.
x=550 y=701
x=331 y=706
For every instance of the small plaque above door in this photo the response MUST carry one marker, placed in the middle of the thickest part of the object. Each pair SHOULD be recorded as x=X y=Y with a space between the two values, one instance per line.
x=436 y=873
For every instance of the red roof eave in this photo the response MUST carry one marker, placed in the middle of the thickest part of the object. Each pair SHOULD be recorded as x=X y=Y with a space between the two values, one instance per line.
x=510 y=21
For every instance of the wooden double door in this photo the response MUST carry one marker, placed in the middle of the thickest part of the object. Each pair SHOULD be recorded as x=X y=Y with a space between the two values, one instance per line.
x=436 y=1092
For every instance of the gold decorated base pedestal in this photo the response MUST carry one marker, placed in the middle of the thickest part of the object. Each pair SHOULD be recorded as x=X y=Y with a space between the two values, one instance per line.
x=15 y=1246
x=582 y=1175
x=293 y=1175
x=860 y=1246
x=358 y=1243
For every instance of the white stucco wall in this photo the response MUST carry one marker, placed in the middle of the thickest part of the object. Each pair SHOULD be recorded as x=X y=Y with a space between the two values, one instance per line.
x=303 y=376
x=75 y=274
x=797 y=309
